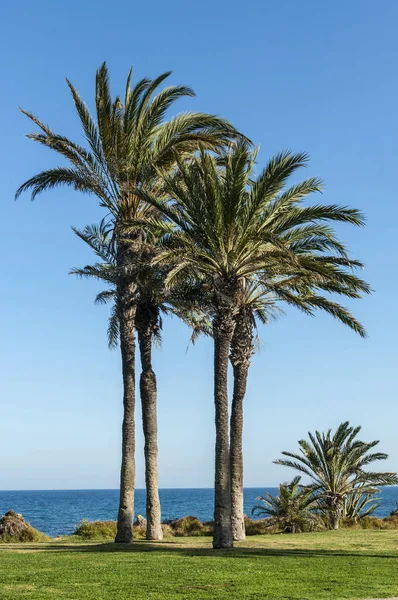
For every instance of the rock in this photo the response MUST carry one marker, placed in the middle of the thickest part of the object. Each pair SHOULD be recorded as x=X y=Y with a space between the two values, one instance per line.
x=14 y=528
x=140 y=521
x=13 y=524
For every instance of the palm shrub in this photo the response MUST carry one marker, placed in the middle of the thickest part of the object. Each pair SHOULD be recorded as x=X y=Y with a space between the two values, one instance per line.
x=125 y=144
x=230 y=227
x=293 y=510
x=336 y=465
x=359 y=505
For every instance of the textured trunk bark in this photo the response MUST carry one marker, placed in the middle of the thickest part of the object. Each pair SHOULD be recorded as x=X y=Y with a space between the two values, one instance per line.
x=145 y=326
x=236 y=453
x=127 y=474
x=241 y=351
x=222 y=331
x=335 y=517
x=336 y=511
x=126 y=299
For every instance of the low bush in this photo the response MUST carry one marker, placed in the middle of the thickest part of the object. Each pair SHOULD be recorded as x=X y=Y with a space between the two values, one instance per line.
x=106 y=530
x=190 y=526
x=257 y=527
x=373 y=523
x=370 y=523
x=392 y=522
x=167 y=530
x=96 y=530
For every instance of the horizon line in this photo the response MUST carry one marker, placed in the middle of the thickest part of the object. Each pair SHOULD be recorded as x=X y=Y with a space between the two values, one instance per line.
x=249 y=487
x=254 y=487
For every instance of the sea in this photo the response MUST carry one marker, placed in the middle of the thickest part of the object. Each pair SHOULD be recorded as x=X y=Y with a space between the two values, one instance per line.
x=58 y=512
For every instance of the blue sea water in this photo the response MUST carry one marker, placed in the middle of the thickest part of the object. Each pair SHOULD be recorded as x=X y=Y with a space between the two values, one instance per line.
x=57 y=512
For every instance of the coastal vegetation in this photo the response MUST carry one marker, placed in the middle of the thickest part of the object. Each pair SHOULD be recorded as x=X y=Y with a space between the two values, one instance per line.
x=191 y=227
x=288 y=512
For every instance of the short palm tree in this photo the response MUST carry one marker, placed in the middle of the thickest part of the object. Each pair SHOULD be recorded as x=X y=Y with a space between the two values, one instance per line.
x=336 y=466
x=293 y=510
x=126 y=144
x=232 y=228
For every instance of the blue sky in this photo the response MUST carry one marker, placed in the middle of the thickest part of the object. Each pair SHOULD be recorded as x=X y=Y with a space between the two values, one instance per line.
x=314 y=76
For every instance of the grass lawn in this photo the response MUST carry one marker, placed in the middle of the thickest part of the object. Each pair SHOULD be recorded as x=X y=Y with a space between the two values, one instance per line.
x=316 y=566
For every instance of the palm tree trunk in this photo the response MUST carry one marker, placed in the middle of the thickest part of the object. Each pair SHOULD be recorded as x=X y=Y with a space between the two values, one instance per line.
x=222 y=331
x=241 y=351
x=236 y=453
x=127 y=306
x=146 y=322
x=336 y=510
x=125 y=518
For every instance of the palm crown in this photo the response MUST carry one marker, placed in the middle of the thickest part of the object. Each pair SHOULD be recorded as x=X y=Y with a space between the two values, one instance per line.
x=127 y=143
x=233 y=227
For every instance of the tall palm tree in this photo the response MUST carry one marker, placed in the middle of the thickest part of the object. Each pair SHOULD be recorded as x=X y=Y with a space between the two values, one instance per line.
x=126 y=144
x=231 y=228
x=153 y=301
x=304 y=290
x=336 y=466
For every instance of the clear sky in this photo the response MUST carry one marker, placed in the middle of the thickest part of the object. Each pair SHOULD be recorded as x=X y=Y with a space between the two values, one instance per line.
x=315 y=76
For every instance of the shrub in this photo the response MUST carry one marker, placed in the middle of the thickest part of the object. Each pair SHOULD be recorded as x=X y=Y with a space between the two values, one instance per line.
x=167 y=530
x=14 y=528
x=96 y=530
x=258 y=527
x=189 y=526
x=371 y=523
x=392 y=522
x=106 y=530
x=350 y=523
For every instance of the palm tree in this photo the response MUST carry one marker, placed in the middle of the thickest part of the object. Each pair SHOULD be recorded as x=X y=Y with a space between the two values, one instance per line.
x=231 y=229
x=300 y=289
x=126 y=144
x=153 y=301
x=293 y=510
x=336 y=465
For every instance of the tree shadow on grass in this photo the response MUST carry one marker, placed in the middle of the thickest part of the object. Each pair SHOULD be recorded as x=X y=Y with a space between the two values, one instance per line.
x=175 y=548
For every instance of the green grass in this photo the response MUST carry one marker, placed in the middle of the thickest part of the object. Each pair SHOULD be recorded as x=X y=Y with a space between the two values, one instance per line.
x=316 y=566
